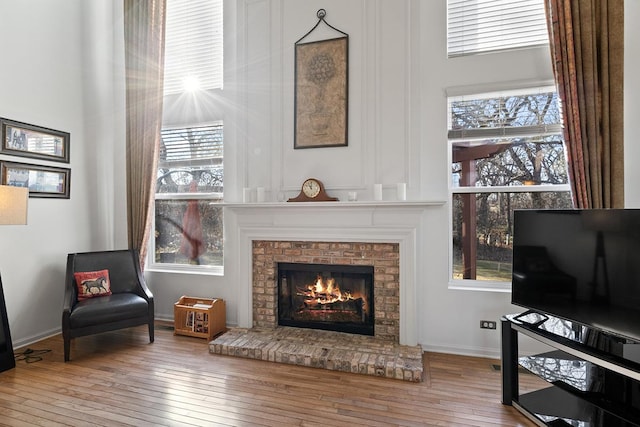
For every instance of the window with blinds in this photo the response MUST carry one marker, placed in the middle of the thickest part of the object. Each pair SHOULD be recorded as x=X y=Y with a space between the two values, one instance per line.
x=188 y=146
x=191 y=160
x=479 y=26
x=189 y=186
x=188 y=216
x=193 y=46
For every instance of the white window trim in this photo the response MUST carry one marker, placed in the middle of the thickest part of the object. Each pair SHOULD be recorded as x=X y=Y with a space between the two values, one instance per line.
x=216 y=198
x=513 y=189
x=461 y=92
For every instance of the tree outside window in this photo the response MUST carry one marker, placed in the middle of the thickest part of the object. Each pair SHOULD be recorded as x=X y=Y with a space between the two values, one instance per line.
x=507 y=153
x=188 y=224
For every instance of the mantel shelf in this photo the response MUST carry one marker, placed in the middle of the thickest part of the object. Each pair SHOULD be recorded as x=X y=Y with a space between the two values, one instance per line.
x=345 y=204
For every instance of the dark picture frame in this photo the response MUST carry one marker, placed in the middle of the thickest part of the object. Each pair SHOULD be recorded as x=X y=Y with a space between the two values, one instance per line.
x=321 y=94
x=26 y=140
x=42 y=181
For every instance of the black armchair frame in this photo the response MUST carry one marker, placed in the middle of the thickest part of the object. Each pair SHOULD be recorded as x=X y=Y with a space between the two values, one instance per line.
x=125 y=309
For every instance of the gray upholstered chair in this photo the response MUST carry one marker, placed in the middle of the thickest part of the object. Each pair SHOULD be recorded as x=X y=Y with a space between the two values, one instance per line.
x=130 y=303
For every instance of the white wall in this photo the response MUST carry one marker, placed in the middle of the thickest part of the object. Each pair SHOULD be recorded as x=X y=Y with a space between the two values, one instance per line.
x=42 y=70
x=399 y=79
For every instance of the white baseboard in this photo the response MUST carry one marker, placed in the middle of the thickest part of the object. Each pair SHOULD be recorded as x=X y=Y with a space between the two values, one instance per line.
x=491 y=353
x=35 y=338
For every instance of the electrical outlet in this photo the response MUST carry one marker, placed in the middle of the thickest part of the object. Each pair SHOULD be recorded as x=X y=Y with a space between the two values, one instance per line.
x=487 y=324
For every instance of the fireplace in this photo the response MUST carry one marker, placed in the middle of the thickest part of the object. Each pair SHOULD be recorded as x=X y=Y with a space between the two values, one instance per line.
x=386 y=235
x=326 y=296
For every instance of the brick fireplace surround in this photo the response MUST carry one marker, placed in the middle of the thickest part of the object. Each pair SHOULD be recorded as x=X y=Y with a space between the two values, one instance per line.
x=381 y=234
x=384 y=257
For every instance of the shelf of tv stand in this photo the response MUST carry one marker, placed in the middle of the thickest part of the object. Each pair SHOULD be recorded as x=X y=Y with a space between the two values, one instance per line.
x=562 y=399
x=606 y=360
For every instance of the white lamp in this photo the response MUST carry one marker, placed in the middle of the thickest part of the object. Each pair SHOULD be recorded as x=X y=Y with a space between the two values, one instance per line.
x=13 y=205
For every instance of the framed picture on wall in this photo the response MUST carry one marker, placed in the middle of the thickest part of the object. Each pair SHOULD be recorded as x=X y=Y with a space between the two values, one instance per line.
x=42 y=181
x=321 y=94
x=321 y=89
x=25 y=140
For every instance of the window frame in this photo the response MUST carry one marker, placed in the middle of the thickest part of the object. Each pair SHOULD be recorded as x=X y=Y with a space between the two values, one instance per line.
x=179 y=114
x=477 y=93
x=215 y=197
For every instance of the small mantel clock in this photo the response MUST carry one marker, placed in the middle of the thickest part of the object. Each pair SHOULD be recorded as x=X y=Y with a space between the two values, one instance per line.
x=312 y=191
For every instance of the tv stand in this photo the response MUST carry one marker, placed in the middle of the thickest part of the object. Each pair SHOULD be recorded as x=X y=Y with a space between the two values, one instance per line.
x=593 y=377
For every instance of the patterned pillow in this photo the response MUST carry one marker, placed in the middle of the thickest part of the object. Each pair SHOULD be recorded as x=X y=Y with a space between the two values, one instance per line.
x=92 y=284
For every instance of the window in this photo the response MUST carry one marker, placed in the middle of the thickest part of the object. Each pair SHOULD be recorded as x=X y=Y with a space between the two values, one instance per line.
x=477 y=26
x=193 y=45
x=507 y=152
x=190 y=179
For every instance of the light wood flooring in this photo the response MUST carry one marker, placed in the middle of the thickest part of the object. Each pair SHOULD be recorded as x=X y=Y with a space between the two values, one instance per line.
x=119 y=379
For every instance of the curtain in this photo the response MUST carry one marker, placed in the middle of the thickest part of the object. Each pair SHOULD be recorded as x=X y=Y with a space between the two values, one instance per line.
x=144 y=29
x=587 y=47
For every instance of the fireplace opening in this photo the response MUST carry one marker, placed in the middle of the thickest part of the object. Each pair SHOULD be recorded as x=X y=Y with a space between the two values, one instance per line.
x=326 y=296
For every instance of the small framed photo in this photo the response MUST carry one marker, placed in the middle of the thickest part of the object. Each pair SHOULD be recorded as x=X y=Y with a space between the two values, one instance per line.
x=42 y=181
x=25 y=140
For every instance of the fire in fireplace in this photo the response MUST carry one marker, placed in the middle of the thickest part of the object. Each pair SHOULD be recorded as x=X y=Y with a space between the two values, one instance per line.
x=326 y=296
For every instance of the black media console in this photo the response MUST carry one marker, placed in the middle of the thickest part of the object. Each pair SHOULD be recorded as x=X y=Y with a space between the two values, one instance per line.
x=593 y=376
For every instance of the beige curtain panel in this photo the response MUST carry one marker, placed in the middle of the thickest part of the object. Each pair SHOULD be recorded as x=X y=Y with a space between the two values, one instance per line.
x=587 y=45
x=144 y=28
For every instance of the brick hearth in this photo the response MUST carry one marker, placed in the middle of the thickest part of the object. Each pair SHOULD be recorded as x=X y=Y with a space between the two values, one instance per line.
x=380 y=355
x=336 y=351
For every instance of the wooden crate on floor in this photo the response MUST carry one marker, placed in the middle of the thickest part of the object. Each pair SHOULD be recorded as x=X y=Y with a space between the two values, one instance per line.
x=199 y=317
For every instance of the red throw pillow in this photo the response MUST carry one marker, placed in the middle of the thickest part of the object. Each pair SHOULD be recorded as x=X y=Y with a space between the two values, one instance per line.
x=92 y=284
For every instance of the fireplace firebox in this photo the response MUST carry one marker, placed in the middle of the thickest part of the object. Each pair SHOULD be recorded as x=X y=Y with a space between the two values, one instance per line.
x=326 y=296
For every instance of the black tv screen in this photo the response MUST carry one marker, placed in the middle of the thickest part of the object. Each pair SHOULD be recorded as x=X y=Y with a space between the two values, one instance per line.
x=580 y=265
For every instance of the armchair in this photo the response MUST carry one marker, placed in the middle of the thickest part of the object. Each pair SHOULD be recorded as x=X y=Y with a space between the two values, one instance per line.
x=130 y=303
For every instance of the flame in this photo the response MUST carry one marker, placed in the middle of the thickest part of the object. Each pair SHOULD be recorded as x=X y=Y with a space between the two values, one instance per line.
x=324 y=292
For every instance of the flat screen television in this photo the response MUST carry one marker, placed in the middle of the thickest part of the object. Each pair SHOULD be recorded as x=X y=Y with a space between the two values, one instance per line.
x=580 y=265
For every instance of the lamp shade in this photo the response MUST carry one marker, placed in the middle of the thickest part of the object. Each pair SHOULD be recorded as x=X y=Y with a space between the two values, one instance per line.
x=13 y=205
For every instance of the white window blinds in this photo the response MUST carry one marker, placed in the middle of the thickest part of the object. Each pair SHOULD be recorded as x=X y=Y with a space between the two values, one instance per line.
x=192 y=146
x=193 y=45
x=476 y=26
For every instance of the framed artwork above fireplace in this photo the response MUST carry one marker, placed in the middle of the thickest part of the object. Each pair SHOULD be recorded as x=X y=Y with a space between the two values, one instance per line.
x=321 y=89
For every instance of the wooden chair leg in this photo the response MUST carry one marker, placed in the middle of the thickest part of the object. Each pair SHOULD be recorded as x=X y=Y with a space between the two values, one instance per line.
x=151 y=332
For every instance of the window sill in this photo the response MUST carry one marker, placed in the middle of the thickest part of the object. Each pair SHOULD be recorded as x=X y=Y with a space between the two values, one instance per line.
x=480 y=285
x=186 y=269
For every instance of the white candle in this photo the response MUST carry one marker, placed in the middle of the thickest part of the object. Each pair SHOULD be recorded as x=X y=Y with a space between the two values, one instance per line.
x=246 y=195
x=402 y=191
x=260 y=194
x=377 y=191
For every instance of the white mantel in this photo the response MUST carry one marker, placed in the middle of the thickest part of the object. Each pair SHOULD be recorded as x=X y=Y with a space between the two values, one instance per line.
x=388 y=222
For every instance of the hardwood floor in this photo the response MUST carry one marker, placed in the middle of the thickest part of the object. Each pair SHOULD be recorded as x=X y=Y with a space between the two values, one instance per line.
x=118 y=378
